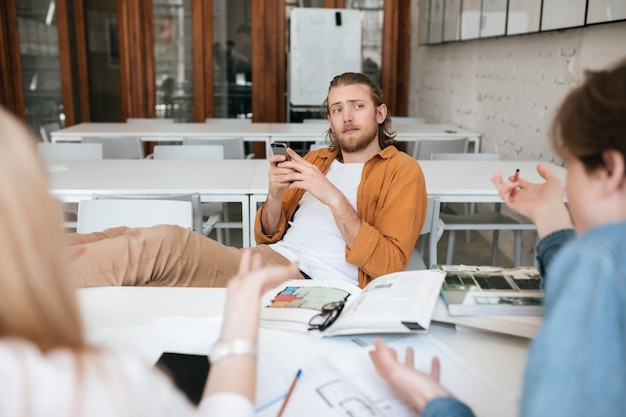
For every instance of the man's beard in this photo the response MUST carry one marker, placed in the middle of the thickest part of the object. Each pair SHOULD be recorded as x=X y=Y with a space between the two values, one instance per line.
x=357 y=143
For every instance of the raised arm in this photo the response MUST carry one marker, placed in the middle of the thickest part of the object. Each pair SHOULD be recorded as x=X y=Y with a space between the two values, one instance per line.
x=235 y=371
x=541 y=203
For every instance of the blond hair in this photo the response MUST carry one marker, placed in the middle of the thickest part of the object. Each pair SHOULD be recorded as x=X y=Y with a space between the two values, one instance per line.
x=37 y=299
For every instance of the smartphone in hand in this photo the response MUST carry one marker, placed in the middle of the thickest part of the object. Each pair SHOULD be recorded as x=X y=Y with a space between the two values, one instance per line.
x=280 y=148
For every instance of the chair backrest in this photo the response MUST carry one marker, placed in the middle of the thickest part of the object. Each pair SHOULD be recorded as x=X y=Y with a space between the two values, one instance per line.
x=118 y=147
x=67 y=151
x=46 y=129
x=400 y=120
x=194 y=199
x=468 y=156
x=425 y=147
x=233 y=146
x=315 y=146
x=148 y=120
x=226 y=120
x=97 y=215
x=203 y=152
x=431 y=227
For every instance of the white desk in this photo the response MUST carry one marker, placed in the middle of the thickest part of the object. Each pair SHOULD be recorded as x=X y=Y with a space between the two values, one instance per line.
x=501 y=358
x=309 y=132
x=169 y=132
x=451 y=181
x=222 y=181
x=251 y=132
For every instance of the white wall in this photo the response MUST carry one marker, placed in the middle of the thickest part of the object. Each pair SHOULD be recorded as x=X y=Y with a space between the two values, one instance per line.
x=507 y=88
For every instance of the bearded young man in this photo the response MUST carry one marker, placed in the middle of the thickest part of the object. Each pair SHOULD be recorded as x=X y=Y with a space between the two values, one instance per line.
x=351 y=212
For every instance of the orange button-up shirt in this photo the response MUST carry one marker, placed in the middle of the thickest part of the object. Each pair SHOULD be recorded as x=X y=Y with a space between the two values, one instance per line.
x=391 y=202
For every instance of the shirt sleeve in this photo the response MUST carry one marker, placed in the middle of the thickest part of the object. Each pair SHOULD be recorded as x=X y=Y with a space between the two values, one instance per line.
x=446 y=407
x=226 y=404
x=549 y=246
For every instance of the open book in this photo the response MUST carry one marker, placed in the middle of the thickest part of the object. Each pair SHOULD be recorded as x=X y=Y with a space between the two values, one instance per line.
x=491 y=290
x=400 y=302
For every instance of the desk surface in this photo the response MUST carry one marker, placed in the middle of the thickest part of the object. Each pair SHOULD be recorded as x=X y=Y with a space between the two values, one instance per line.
x=455 y=181
x=149 y=176
x=470 y=181
x=499 y=357
x=162 y=131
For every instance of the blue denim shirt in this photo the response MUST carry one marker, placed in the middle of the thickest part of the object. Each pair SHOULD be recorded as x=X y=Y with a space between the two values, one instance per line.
x=577 y=363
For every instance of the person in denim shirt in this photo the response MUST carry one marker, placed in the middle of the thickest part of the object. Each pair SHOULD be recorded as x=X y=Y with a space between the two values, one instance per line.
x=577 y=363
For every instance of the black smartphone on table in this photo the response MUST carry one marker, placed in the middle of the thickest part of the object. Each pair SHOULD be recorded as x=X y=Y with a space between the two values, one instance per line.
x=280 y=148
x=188 y=372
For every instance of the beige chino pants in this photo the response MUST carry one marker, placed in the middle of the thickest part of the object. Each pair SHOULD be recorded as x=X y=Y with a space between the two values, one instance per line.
x=161 y=255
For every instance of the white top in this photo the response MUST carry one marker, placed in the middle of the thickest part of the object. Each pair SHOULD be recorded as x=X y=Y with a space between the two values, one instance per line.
x=313 y=238
x=105 y=384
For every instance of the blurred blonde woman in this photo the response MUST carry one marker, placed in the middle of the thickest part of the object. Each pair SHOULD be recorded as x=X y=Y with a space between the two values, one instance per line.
x=46 y=365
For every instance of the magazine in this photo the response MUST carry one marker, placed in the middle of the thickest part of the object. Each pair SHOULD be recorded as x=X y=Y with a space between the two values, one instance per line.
x=400 y=302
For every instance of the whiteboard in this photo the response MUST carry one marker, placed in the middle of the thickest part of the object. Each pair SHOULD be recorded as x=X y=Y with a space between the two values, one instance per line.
x=322 y=46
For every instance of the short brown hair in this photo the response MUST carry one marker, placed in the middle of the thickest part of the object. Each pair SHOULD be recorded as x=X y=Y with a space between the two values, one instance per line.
x=592 y=118
x=386 y=136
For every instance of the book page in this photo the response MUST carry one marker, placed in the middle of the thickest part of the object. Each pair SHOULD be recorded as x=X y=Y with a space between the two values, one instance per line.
x=291 y=305
x=398 y=302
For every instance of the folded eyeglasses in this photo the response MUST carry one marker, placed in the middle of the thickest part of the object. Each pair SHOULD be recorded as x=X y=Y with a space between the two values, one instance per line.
x=329 y=314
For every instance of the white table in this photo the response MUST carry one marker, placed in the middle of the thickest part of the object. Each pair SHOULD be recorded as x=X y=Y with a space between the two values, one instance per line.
x=501 y=358
x=221 y=181
x=450 y=181
x=310 y=132
x=251 y=132
x=168 y=132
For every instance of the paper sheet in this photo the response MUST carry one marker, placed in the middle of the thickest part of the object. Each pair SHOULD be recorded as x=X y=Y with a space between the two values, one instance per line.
x=338 y=378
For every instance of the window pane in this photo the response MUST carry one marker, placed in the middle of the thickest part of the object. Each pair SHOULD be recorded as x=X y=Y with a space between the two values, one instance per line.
x=371 y=35
x=173 y=60
x=103 y=61
x=39 y=51
x=232 y=59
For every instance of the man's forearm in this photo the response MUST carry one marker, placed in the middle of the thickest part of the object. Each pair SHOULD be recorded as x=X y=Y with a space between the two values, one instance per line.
x=347 y=219
x=270 y=215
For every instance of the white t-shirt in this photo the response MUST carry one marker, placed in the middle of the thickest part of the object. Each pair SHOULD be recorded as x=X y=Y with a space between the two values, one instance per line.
x=313 y=238
x=37 y=385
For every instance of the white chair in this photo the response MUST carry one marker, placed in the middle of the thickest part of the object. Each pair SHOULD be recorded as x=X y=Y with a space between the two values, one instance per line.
x=424 y=148
x=226 y=120
x=233 y=145
x=69 y=151
x=401 y=120
x=98 y=215
x=148 y=120
x=431 y=232
x=190 y=152
x=46 y=129
x=193 y=199
x=488 y=220
x=318 y=145
x=118 y=147
x=211 y=212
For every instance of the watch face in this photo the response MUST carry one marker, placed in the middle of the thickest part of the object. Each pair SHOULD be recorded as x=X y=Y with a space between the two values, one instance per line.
x=188 y=372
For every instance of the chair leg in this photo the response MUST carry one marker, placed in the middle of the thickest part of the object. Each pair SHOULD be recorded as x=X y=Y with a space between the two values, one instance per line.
x=449 y=254
x=226 y=231
x=220 y=234
x=494 y=247
x=518 y=247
